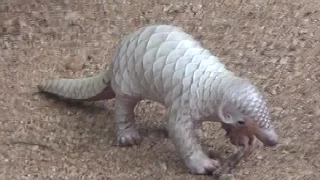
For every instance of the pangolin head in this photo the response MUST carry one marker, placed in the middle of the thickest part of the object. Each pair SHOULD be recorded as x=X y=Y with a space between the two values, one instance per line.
x=251 y=103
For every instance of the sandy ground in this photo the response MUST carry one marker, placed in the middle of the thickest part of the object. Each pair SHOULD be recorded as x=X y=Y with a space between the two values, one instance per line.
x=275 y=44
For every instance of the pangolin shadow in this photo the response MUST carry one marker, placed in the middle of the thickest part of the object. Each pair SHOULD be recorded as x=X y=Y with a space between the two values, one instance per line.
x=97 y=108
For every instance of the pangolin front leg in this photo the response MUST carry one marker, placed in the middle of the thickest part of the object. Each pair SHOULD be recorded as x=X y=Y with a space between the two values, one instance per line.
x=127 y=134
x=181 y=130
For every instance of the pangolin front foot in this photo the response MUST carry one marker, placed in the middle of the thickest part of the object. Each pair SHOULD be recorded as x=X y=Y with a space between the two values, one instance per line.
x=200 y=164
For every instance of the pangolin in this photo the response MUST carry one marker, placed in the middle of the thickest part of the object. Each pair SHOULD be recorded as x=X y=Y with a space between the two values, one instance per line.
x=165 y=64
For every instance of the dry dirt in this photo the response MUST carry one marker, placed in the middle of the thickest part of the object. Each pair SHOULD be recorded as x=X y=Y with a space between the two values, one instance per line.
x=274 y=43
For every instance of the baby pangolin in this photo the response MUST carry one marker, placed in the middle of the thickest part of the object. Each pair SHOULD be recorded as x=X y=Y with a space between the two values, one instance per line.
x=163 y=63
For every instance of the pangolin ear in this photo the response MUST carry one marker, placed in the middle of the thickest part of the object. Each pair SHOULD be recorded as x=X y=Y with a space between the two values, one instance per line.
x=229 y=114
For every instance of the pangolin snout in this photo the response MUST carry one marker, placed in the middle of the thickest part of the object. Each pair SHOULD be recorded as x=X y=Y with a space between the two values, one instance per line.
x=268 y=137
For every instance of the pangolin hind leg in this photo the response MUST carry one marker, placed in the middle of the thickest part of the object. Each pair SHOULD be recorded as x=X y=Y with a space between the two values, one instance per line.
x=127 y=134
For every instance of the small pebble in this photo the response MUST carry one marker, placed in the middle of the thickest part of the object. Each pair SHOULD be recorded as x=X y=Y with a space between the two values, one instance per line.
x=75 y=64
x=163 y=166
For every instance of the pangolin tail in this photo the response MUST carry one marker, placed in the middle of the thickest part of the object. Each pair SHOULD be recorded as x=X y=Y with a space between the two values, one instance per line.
x=86 y=89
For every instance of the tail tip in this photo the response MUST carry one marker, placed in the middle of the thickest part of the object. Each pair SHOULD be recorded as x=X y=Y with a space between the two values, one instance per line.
x=40 y=87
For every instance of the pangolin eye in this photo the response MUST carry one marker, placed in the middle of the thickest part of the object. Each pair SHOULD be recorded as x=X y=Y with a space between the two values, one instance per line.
x=241 y=122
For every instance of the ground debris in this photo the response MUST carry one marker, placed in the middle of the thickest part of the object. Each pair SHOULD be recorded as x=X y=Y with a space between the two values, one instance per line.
x=230 y=163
